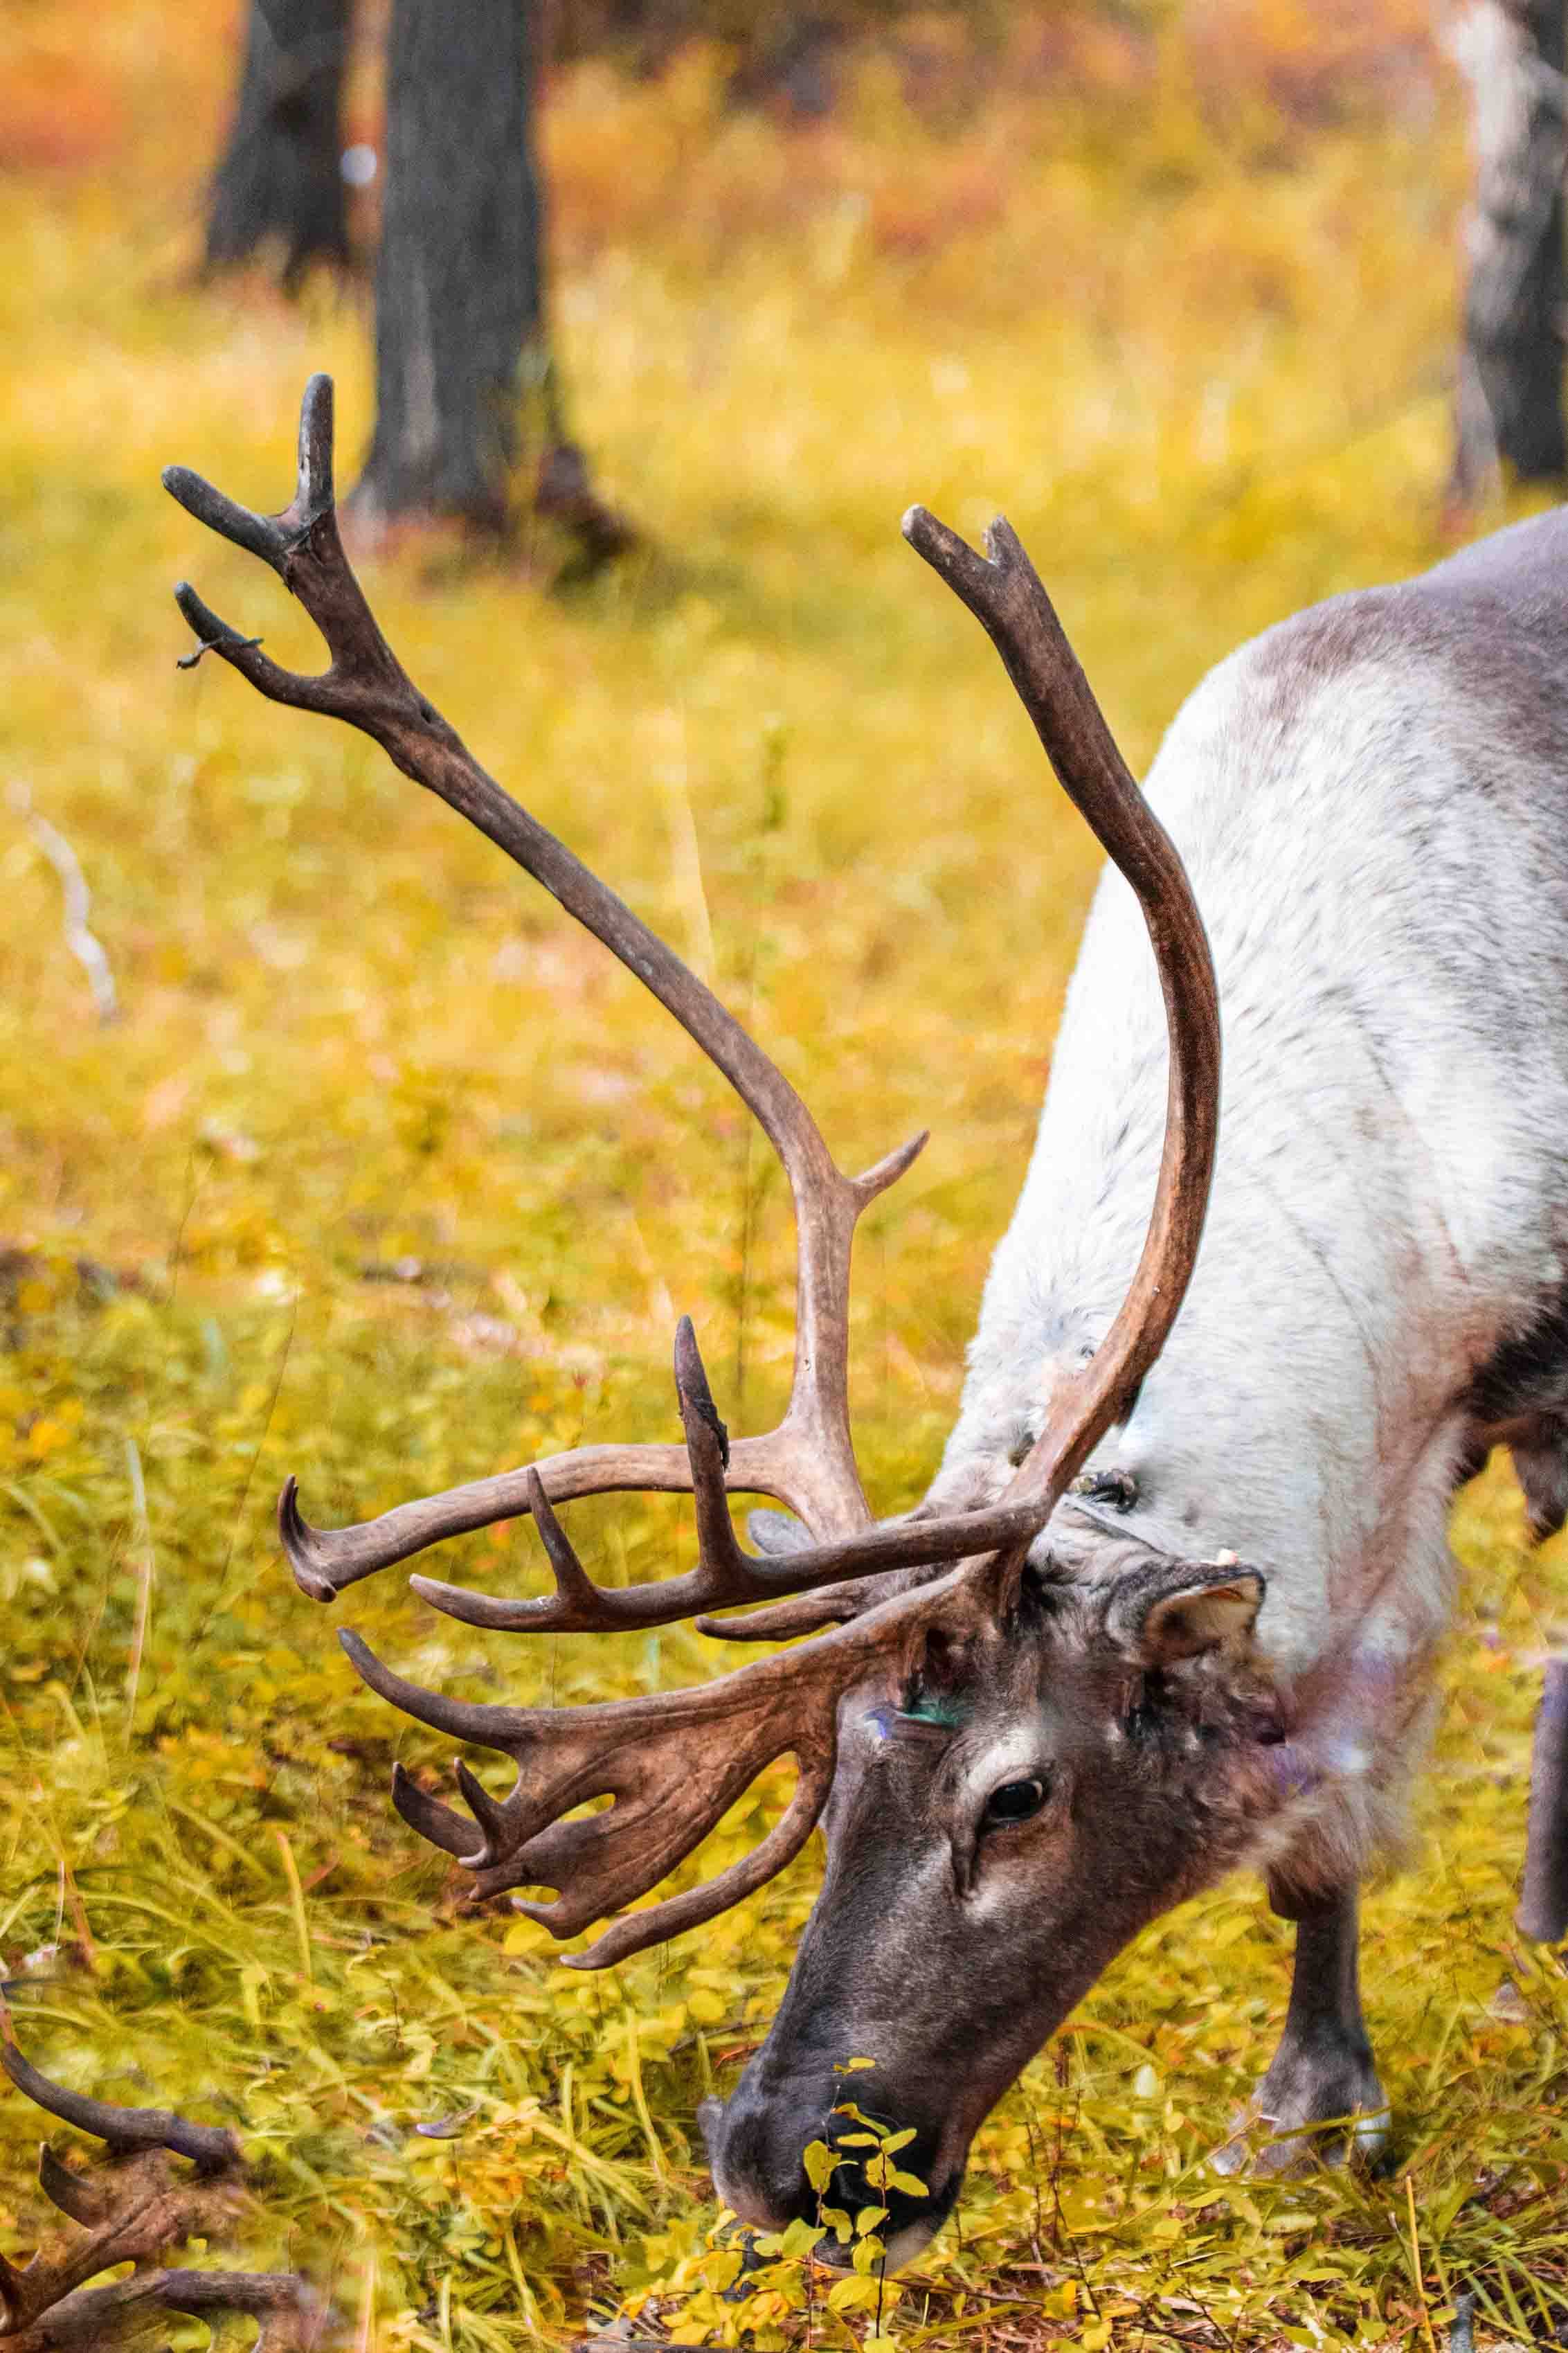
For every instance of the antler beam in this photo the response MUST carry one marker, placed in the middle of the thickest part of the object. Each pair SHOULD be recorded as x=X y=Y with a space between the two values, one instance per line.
x=809 y=1459
x=1005 y=593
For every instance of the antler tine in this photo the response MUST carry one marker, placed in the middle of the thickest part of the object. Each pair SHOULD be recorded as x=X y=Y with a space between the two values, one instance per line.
x=573 y=1587
x=724 y=1574
x=803 y=1613
x=1005 y=595
x=85 y=2201
x=809 y=1459
x=211 y=2147
x=673 y=1764
x=442 y=1825
x=326 y=1561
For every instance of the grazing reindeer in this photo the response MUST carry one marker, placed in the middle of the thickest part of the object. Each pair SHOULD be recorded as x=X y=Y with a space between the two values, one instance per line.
x=1160 y=1613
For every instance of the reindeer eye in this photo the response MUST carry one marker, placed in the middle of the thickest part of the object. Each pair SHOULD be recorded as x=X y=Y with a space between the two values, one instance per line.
x=1015 y=1801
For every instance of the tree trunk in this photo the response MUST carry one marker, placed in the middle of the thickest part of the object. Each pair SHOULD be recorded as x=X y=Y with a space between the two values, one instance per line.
x=1509 y=408
x=279 y=183
x=458 y=289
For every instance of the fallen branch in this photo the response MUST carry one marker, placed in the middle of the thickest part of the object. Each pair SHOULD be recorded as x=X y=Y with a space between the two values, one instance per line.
x=133 y=2209
x=83 y=944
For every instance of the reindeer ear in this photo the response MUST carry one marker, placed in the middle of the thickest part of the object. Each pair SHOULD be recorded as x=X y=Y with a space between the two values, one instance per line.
x=1182 y=1608
x=1202 y=1618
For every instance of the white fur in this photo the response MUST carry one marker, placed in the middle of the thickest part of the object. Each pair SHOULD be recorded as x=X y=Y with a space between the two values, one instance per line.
x=1371 y=814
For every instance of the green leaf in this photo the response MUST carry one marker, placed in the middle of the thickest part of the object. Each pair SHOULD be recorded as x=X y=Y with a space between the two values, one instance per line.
x=853 y=2293
x=800 y=2237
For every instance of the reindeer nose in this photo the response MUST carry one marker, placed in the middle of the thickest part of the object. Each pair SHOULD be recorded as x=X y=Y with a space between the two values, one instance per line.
x=756 y=2149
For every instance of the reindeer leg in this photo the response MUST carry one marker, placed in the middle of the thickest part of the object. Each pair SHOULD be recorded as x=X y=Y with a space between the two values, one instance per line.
x=1543 y=1900
x=1322 y=2073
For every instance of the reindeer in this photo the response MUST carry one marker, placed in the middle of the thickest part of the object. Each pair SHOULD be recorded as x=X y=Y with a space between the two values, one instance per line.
x=1171 y=1602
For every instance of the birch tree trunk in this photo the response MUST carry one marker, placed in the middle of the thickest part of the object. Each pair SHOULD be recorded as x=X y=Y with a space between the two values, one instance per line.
x=279 y=186
x=1510 y=407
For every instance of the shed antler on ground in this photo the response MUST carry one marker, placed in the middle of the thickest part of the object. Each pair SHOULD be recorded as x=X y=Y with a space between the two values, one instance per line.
x=135 y=2209
x=675 y=1763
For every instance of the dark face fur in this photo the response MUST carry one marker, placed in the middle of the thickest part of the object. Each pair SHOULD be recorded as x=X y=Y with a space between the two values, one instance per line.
x=1000 y=1826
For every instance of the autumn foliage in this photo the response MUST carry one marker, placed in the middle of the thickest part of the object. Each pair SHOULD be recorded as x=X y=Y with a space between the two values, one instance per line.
x=386 y=1177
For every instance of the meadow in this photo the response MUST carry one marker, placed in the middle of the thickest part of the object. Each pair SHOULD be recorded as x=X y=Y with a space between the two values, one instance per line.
x=395 y=1180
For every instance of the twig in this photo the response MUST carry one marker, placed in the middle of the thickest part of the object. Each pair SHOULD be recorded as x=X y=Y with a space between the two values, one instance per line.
x=210 y=646
x=363 y=2339
x=83 y=945
x=220 y=1594
x=144 y=1573
x=296 y=1903
x=1415 y=2265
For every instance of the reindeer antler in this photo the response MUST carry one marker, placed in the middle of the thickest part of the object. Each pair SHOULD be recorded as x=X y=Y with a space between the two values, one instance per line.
x=131 y=2212
x=808 y=1461
x=673 y=1764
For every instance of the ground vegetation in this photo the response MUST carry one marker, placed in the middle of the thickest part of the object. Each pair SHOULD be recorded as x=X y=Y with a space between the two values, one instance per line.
x=380 y=1174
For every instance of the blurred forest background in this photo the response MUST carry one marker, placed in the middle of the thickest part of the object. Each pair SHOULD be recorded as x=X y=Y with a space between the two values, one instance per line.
x=380 y=1173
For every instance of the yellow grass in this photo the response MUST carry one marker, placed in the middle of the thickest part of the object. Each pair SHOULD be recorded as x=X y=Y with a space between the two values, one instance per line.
x=1192 y=332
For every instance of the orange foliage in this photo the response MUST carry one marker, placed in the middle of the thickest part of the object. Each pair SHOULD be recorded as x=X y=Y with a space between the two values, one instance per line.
x=57 y=114
x=939 y=123
x=86 y=86
x=975 y=102
x=1309 y=61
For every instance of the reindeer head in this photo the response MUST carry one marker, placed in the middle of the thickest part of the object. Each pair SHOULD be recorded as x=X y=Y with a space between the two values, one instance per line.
x=1007 y=1811
x=1015 y=1771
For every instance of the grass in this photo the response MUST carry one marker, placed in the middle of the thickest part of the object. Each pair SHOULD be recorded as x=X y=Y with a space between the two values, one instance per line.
x=1189 y=320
